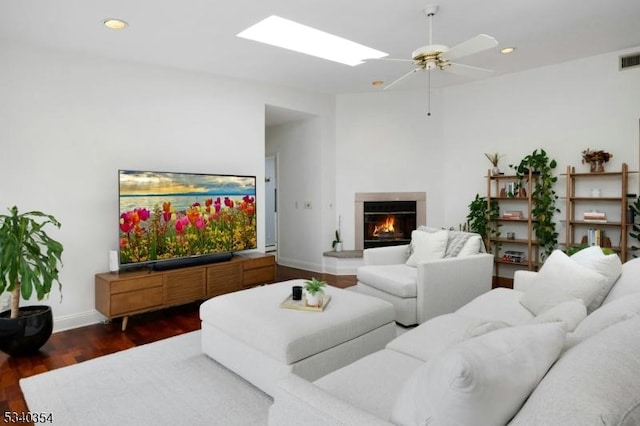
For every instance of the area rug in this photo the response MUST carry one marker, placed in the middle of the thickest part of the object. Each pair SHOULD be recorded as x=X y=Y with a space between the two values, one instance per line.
x=169 y=382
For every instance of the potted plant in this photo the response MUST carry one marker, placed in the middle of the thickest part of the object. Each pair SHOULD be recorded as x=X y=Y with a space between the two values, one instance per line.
x=314 y=291
x=337 y=242
x=543 y=196
x=635 y=208
x=29 y=261
x=494 y=159
x=595 y=159
x=481 y=216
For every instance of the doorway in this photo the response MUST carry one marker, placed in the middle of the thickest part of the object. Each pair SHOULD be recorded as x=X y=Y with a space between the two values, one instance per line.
x=271 y=203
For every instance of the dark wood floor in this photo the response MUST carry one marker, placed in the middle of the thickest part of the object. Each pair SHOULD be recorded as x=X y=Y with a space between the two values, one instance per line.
x=81 y=344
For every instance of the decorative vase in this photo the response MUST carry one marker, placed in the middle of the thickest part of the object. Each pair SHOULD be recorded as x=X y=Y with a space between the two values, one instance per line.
x=593 y=166
x=338 y=247
x=313 y=299
x=495 y=171
x=600 y=168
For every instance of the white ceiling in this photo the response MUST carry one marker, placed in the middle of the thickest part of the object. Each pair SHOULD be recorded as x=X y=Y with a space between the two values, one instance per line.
x=200 y=34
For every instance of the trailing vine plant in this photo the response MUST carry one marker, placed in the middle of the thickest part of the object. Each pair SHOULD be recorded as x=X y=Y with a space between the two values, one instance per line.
x=543 y=197
x=481 y=217
x=635 y=207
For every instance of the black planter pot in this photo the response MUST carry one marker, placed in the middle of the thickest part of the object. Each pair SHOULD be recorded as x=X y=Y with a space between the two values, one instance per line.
x=27 y=333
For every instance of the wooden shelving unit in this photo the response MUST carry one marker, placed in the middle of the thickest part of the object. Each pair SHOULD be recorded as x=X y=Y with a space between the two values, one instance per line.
x=525 y=241
x=616 y=218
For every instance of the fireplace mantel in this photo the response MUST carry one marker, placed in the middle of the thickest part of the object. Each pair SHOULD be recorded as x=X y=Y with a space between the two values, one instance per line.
x=361 y=197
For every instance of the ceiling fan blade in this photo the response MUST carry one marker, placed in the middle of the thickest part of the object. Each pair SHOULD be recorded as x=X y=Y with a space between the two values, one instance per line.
x=473 y=45
x=393 y=83
x=466 y=70
x=389 y=60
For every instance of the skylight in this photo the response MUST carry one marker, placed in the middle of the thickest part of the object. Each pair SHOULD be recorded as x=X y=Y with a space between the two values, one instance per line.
x=291 y=35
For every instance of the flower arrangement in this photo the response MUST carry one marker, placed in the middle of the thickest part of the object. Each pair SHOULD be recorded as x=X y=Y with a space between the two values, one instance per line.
x=598 y=156
x=493 y=158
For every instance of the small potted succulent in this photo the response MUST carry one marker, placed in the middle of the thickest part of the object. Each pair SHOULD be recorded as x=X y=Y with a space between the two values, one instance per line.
x=314 y=292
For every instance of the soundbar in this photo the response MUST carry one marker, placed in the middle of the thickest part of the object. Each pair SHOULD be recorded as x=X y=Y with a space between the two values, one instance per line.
x=185 y=262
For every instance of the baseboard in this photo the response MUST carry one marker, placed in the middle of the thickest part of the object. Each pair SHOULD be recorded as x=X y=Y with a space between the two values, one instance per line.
x=293 y=263
x=68 y=322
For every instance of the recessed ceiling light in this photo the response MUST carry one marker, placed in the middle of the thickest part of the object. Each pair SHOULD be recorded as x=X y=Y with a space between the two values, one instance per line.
x=377 y=83
x=291 y=35
x=115 y=24
x=507 y=50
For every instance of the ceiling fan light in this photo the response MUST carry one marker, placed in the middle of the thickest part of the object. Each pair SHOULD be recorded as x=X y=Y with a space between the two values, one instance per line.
x=291 y=35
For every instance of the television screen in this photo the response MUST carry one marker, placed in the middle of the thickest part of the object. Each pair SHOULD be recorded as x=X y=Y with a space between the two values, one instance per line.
x=168 y=216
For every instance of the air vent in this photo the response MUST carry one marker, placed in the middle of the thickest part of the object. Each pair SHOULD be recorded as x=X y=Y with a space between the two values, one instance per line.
x=630 y=61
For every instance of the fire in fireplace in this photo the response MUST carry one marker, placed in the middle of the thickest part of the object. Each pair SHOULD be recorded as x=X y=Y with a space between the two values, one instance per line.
x=388 y=223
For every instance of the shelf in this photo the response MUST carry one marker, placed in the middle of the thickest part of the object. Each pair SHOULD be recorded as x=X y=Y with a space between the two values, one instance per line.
x=520 y=264
x=516 y=241
x=616 y=217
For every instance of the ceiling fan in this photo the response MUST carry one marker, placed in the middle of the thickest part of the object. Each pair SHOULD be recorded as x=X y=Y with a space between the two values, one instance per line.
x=438 y=56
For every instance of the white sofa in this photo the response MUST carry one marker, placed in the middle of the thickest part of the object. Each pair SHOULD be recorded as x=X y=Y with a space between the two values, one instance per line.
x=444 y=372
x=431 y=286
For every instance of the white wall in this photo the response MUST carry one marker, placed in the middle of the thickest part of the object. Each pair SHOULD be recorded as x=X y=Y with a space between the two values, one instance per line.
x=563 y=109
x=386 y=143
x=69 y=122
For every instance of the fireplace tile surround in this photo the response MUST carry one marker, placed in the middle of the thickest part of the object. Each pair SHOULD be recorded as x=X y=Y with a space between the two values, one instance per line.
x=394 y=199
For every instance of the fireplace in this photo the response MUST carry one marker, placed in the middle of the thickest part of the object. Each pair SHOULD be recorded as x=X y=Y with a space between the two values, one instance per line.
x=388 y=218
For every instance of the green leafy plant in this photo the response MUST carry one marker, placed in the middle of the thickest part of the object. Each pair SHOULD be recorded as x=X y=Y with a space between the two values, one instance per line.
x=29 y=258
x=543 y=196
x=574 y=249
x=337 y=239
x=481 y=217
x=314 y=286
x=635 y=207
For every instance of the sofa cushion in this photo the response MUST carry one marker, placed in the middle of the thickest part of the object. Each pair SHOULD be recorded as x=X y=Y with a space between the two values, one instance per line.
x=594 y=383
x=607 y=265
x=399 y=279
x=605 y=316
x=427 y=246
x=500 y=304
x=440 y=333
x=372 y=382
x=472 y=246
x=569 y=314
x=628 y=282
x=561 y=279
x=482 y=381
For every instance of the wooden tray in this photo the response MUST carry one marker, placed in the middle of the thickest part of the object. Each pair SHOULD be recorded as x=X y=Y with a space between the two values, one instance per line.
x=301 y=305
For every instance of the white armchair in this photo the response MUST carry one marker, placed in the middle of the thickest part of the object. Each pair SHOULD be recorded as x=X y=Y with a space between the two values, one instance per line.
x=433 y=288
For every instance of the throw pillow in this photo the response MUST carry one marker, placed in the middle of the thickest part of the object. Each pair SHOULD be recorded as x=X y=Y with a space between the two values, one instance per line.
x=608 y=265
x=427 y=246
x=628 y=283
x=569 y=314
x=594 y=383
x=482 y=381
x=561 y=279
x=473 y=245
x=606 y=316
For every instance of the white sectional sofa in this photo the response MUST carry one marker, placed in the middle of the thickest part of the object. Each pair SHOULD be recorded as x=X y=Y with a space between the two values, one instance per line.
x=445 y=270
x=495 y=361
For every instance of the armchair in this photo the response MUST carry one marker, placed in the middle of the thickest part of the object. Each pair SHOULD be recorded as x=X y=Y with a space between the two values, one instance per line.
x=432 y=288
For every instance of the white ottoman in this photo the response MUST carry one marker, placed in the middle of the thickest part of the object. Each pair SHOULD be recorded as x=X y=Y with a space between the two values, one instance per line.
x=250 y=334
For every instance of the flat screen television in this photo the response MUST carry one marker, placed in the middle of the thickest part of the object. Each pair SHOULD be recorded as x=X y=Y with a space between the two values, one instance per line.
x=169 y=220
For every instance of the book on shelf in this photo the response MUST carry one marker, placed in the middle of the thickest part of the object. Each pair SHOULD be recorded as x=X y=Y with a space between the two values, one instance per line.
x=512 y=215
x=595 y=220
x=592 y=215
x=594 y=237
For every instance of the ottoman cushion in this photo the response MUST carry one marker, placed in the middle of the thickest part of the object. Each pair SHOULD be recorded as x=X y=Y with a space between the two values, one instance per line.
x=254 y=317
